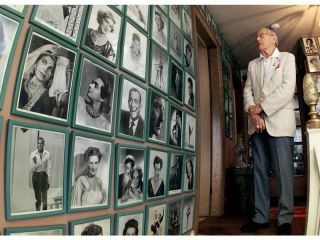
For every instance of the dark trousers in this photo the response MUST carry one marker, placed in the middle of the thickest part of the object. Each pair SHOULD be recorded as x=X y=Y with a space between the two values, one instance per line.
x=40 y=185
x=278 y=152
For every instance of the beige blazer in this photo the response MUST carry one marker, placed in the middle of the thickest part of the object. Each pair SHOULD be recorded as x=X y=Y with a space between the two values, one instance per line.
x=275 y=94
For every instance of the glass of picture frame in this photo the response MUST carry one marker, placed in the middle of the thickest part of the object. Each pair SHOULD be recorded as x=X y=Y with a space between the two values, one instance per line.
x=187 y=24
x=309 y=45
x=188 y=59
x=44 y=86
x=91 y=161
x=313 y=63
x=176 y=80
x=190 y=90
x=139 y=14
x=174 y=217
x=41 y=180
x=175 y=42
x=160 y=27
x=130 y=223
x=187 y=212
x=52 y=230
x=190 y=132
x=175 y=126
x=189 y=172
x=175 y=14
x=10 y=28
x=156 y=219
x=19 y=10
x=99 y=225
x=175 y=171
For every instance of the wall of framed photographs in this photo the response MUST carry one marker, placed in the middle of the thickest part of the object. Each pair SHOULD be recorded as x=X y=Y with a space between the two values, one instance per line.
x=99 y=120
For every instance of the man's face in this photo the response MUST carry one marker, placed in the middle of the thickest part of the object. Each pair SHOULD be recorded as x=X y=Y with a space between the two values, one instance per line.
x=157 y=116
x=128 y=169
x=135 y=47
x=157 y=170
x=265 y=40
x=40 y=144
x=94 y=91
x=134 y=101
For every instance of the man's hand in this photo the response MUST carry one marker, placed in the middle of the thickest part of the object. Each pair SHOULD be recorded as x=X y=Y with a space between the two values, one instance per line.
x=255 y=109
x=258 y=122
x=34 y=160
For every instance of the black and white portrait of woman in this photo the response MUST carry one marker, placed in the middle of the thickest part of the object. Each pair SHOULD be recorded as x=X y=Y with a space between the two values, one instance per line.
x=188 y=56
x=157 y=218
x=187 y=214
x=139 y=14
x=130 y=224
x=174 y=218
x=176 y=121
x=175 y=173
x=96 y=97
x=176 y=81
x=175 y=42
x=189 y=172
x=46 y=80
x=190 y=132
x=97 y=226
x=160 y=27
x=175 y=14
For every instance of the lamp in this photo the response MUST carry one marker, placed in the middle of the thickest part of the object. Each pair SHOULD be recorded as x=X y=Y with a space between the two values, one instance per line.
x=311 y=96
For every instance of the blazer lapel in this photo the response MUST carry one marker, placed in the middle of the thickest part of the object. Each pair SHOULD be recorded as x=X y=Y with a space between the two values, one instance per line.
x=271 y=70
x=258 y=70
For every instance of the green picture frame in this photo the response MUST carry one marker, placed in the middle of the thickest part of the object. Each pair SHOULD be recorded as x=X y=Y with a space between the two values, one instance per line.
x=160 y=34
x=189 y=171
x=176 y=82
x=156 y=219
x=51 y=102
x=7 y=51
x=90 y=69
x=164 y=8
x=187 y=210
x=175 y=42
x=190 y=132
x=57 y=23
x=105 y=222
x=23 y=139
x=100 y=168
x=139 y=14
x=190 y=92
x=131 y=158
x=17 y=9
x=175 y=173
x=157 y=163
x=132 y=219
x=175 y=14
x=130 y=108
x=175 y=126
x=31 y=231
x=135 y=47
x=174 y=217
x=111 y=50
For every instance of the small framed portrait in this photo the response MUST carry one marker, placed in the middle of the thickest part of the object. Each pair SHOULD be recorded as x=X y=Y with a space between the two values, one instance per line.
x=160 y=27
x=187 y=214
x=190 y=132
x=158 y=118
x=97 y=226
x=189 y=172
x=64 y=20
x=10 y=28
x=175 y=173
x=298 y=119
x=189 y=91
x=130 y=223
x=298 y=168
x=188 y=56
x=187 y=24
x=139 y=14
x=175 y=42
x=135 y=51
x=296 y=102
x=132 y=111
x=298 y=153
x=174 y=218
x=35 y=170
x=175 y=14
x=176 y=82
x=175 y=127
x=45 y=80
x=309 y=45
x=95 y=97
x=157 y=174
x=103 y=33
x=130 y=176
x=156 y=218
x=316 y=78
x=159 y=71
x=298 y=135
x=52 y=230
x=19 y=10
x=313 y=63
x=90 y=172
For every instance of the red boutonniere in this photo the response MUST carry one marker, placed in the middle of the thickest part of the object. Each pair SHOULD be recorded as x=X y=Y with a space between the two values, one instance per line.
x=276 y=63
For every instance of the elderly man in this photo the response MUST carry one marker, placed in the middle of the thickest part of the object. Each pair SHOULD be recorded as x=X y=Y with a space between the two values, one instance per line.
x=269 y=102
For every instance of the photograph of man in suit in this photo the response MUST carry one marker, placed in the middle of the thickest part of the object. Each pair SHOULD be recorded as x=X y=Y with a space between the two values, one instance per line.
x=125 y=178
x=269 y=102
x=131 y=122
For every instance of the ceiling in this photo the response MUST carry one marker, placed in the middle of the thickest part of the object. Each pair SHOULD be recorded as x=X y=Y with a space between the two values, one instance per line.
x=239 y=26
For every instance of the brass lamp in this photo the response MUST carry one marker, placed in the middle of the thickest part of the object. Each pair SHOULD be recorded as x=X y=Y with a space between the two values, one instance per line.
x=311 y=97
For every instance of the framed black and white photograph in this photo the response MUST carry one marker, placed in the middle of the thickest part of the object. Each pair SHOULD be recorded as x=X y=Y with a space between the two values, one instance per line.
x=35 y=170
x=96 y=226
x=160 y=27
x=130 y=223
x=176 y=82
x=296 y=102
x=156 y=218
x=130 y=176
x=189 y=172
x=190 y=132
x=313 y=63
x=175 y=127
x=298 y=135
x=174 y=218
x=52 y=230
x=309 y=45
x=188 y=56
x=157 y=174
x=175 y=42
x=139 y=14
x=298 y=153
x=175 y=14
x=298 y=119
x=298 y=168
x=95 y=97
x=189 y=91
x=19 y=10
x=187 y=214
x=132 y=111
x=65 y=20
x=102 y=35
x=10 y=28
x=187 y=24
x=159 y=71
x=135 y=51
x=90 y=172
x=158 y=118
x=45 y=79
x=175 y=173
